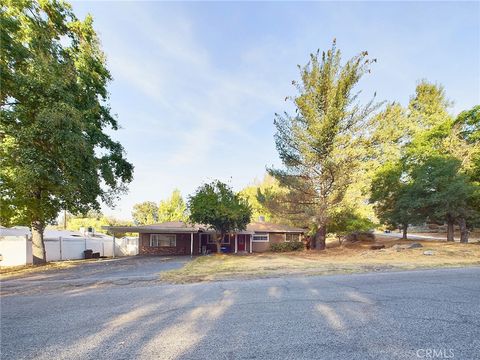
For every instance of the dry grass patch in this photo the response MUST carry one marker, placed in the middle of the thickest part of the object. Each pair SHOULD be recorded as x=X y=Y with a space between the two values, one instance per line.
x=336 y=259
x=10 y=272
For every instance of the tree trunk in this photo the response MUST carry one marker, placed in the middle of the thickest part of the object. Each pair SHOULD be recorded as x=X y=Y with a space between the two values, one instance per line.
x=404 y=231
x=219 y=243
x=38 y=245
x=463 y=230
x=320 y=237
x=450 y=228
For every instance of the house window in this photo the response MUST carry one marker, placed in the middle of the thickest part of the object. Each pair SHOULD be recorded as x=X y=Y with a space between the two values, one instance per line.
x=163 y=240
x=260 y=237
x=210 y=239
x=292 y=237
x=225 y=240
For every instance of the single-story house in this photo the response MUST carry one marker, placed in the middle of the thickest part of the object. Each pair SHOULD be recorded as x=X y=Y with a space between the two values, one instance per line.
x=179 y=238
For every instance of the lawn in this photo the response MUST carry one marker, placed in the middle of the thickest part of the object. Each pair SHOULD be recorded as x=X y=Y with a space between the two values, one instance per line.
x=334 y=260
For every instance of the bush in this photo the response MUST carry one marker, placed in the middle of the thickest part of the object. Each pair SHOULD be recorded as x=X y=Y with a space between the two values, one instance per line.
x=360 y=236
x=287 y=246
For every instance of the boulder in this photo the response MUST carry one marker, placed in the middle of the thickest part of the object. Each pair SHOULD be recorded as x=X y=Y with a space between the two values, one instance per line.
x=377 y=246
x=429 y=252
x=414 y=246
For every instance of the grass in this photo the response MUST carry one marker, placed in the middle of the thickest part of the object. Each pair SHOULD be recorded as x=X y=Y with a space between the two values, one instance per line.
x=9 y=272
x=336 y=259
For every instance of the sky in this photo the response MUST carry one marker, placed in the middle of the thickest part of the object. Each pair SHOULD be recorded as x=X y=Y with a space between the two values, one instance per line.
x=196 y=85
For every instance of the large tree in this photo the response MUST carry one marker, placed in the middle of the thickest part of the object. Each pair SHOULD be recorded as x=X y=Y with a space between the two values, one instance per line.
x=258 y=195
x=391 y=193
x=439 y=134
x=322 y=144
x=442 y=192
x=54 y=151
x=145 y=213
x=217 y=206
x=173 y=208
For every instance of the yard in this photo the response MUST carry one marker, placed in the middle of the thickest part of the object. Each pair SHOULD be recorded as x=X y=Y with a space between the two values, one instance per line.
x=336 y=259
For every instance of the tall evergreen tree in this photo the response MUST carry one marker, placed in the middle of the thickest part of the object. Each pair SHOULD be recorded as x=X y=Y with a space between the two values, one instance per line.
x=322 y=144
x=442 y=192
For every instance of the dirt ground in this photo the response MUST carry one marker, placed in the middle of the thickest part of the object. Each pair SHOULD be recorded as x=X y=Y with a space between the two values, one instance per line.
x=350 y=258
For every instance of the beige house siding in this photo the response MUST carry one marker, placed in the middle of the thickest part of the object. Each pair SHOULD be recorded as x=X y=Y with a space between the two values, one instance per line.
x=274 y=238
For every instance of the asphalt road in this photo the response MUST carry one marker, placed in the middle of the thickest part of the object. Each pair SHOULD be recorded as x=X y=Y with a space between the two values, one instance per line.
x=402 y=315
x=433 y=236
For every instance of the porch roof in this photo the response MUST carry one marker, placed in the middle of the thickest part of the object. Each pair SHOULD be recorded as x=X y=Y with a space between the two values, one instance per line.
x=262 y=226
x=166 y=227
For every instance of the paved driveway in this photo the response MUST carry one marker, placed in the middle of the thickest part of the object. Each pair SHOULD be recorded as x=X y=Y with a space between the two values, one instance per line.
x=404 y=315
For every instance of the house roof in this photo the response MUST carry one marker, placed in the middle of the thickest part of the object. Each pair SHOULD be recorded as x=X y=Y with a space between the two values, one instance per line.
x=262 y=226
x=182 y=227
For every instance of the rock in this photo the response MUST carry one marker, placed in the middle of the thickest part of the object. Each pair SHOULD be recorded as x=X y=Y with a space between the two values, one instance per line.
x=377 y=246
x=398 y=247
x=415 y=245
x=429 y=252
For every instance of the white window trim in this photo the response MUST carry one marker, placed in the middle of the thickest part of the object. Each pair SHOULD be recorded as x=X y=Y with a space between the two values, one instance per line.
x=298 y=237
x=229 y=240
x=211 y=240
x=152 y=235
x=261 y=234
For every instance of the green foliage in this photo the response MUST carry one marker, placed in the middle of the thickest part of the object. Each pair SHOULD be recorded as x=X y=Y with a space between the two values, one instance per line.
x=324 y=143
x=173 y=208
x=217 y=206
x=440 y=189
x=287 y=246
x=145 y=213
x=431 y=174
x=95 y=220
x=348 y=221
x=259 y=194
x=469 y=123
x=54 y=151
x=429 y=106
x=392 y=128
x=391 y=193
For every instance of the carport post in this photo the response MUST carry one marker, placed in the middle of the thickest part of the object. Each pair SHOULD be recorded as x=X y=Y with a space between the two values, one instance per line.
x=191 y=244
x=251 y=250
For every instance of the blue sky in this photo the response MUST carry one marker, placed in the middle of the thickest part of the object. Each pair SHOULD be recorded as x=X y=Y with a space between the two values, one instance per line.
x=196 y=85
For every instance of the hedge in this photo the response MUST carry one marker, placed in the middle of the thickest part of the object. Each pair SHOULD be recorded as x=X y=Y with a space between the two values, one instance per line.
x=287 y=246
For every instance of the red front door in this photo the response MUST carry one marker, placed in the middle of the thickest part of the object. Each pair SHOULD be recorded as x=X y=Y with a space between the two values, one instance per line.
x=241 y=243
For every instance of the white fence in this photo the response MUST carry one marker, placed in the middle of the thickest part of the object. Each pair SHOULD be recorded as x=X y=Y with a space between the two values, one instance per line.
x=17 y=250
x=73 y=248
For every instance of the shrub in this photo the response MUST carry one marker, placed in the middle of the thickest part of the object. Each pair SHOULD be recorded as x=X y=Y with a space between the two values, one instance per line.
x=360 y=236
x=287 y=246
